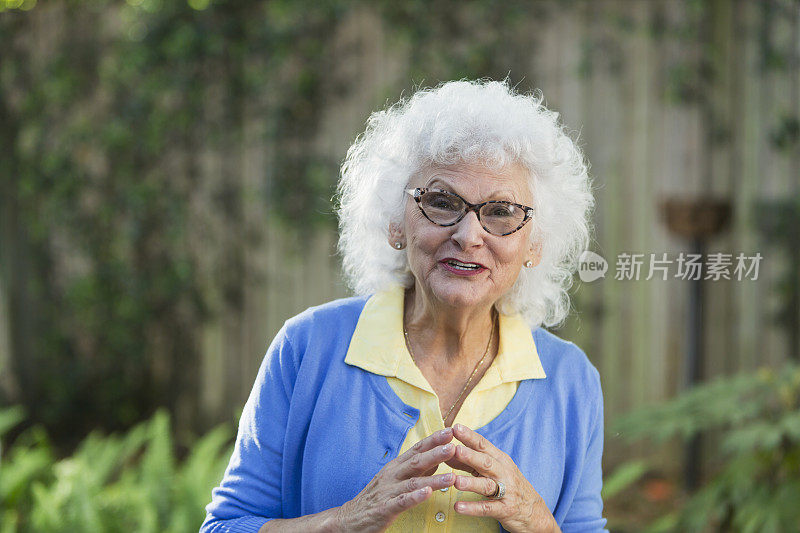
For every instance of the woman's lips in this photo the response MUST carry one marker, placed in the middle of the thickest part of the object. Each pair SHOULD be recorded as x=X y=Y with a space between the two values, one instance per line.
x=461 y=268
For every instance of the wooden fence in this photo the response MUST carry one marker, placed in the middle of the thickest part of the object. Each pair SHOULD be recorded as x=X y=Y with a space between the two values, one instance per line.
x=603 y=65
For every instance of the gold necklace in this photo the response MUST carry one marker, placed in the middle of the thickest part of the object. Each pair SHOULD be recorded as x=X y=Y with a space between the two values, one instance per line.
x=475 y=370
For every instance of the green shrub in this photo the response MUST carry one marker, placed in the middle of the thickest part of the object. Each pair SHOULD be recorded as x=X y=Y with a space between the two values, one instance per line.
x=757 y=487
x=112 y=483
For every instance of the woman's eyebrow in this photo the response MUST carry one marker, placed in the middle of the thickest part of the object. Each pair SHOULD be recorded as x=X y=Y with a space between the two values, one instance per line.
x=505 y=194
x=443 y=184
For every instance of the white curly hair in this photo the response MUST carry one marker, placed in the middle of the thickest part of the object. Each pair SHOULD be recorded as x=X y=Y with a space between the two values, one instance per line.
x=484 y=122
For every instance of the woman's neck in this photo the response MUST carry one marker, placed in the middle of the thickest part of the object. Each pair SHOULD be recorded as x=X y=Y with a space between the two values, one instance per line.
x=449 y=335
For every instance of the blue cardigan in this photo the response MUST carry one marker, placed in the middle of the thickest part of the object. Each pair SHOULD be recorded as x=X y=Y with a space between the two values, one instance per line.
x=315 y=430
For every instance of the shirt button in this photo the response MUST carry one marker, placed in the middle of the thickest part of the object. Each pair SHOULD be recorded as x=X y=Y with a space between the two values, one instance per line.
x=439 y=516
x=445 y=489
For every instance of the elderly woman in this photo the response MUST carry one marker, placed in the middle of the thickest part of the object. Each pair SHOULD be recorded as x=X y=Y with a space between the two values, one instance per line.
x=435 y=401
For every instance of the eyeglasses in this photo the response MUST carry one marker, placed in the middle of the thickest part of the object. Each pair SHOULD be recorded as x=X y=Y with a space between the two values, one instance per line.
x=447 y=209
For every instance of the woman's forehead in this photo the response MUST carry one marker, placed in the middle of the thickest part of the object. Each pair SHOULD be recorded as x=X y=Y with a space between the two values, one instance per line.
x=474 y=178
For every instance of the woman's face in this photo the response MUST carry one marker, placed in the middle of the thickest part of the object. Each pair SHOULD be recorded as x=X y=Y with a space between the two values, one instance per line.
x=432 y=248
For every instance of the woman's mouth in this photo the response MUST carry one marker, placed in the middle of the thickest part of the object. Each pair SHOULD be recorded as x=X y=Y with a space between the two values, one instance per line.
x=462 y=268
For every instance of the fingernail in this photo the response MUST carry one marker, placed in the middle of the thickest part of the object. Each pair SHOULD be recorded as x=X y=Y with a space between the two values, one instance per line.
x=443 y=432
x=448 y=477
x=447 y=447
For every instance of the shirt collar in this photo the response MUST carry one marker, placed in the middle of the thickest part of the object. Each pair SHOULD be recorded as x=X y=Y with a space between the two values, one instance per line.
x=378 y=346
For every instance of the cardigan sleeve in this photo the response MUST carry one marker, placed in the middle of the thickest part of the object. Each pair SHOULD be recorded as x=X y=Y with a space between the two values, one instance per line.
x=586 y=512
x=249 y=494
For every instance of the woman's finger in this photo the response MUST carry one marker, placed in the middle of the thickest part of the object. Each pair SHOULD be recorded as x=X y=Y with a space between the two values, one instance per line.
x=436 y=482
x=455 y=464
x=476 y=441
x=406 y=500
x=421 y=463
x=483 y=464
x=480 y=485
x=491 y=508
x=437 y=438
x=416 y=490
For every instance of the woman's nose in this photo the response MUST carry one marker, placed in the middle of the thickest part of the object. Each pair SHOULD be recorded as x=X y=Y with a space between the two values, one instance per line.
x=468 y=232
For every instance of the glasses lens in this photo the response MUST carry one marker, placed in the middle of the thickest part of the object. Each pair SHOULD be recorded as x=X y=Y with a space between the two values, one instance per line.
x=500 y=218
x=440 y=207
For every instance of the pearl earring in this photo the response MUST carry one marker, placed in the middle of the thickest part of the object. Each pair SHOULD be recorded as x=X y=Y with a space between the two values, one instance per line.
x=528 y=263
x=398 y=245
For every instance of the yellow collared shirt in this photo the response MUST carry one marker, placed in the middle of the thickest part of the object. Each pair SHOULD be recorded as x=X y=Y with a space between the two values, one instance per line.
x=378 y=346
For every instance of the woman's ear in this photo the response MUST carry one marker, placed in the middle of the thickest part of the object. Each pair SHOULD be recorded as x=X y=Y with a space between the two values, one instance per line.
x=535 y=253
x=397 y=238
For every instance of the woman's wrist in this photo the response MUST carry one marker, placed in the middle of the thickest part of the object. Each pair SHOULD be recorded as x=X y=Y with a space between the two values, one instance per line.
x=555 y=528
x=328 y=521
x=338 y=523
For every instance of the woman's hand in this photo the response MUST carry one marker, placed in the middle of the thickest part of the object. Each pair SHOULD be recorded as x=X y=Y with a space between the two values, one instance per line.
x=521 y=509
x=404 y=482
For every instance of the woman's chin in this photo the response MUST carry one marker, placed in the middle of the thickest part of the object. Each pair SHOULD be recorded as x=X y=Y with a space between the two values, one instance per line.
x=461 y=293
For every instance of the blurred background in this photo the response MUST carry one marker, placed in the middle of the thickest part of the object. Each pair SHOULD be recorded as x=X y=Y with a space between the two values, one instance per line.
x=167 y=170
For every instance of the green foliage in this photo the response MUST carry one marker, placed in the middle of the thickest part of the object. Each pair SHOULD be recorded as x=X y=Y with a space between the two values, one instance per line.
x=29 y=460
x=127 y=240
x=757 y=415
x=434 y=35
x=623 y=477
x=132 y=482
x=778 y=223
x=104 y=185
x=24 y=5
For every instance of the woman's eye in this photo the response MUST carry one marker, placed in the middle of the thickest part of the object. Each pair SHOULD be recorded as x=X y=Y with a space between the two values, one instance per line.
x=500 y=210
x=440 y=201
